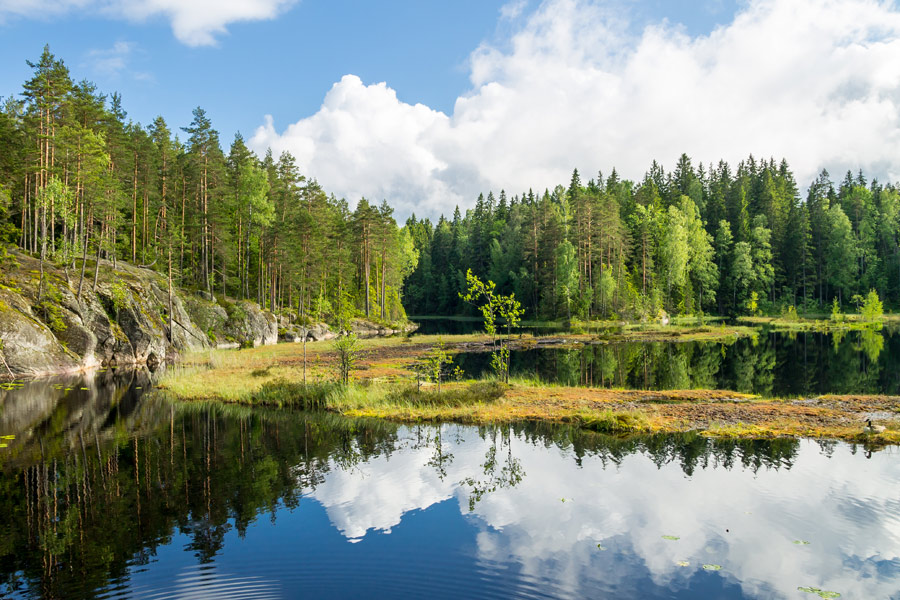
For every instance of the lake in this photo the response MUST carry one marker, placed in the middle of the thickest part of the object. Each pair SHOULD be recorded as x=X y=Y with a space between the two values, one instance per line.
x=772 y=364
x=108 y=491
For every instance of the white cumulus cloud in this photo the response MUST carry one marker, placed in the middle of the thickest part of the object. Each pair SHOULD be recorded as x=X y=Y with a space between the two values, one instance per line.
x=194 y=22
x=814 y=81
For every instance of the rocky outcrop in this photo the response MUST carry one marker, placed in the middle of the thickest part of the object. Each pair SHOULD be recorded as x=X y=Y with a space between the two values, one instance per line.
x=250 y=325
x=367 y=329
x=310 y=333
x=45 y=328
x=29 y=346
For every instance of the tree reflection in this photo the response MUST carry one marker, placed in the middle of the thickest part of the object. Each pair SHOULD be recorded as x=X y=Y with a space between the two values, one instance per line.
x=77 y=515
x=509 y=474
x=771 y=364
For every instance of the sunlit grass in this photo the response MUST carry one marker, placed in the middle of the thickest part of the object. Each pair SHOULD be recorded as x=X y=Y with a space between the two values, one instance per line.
x=384 y=387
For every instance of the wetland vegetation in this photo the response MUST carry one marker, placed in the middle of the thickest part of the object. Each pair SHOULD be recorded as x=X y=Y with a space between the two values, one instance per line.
x=768 y=385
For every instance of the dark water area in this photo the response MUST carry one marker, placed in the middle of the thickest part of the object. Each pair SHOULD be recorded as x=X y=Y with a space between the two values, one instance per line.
x=773 y=364
x=111 y=492
x=467 y=325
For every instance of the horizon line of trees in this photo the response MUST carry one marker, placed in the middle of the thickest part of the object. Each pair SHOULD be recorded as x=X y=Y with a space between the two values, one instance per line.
x=79 y=180
x=710 y=239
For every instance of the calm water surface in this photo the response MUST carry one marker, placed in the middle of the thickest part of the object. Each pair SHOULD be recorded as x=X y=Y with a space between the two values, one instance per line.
x=770 y=364
x=107 y=492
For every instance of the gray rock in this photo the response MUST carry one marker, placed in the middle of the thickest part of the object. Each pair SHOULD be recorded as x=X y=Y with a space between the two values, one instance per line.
x=29 y=346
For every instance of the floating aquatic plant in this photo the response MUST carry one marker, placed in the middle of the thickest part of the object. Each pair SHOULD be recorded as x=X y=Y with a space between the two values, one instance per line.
x=8 y=437
x=801 y=542
x=601 y=547
x=819 y=592
x=712 y=567
x=683 y=563
x=673 y=538
x=4 y=445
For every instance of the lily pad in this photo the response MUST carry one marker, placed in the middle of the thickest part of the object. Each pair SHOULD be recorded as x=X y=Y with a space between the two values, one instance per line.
x=85 y=389
x=683 y=563
x=801 y=542
x=4 y=445
x=8 y=437
x=673 y=538
x=819 y=592
x=712 y=567
x=601 y=547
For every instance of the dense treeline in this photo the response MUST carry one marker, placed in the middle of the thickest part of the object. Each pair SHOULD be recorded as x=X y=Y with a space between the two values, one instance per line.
x=79 y=182
x=706 y=239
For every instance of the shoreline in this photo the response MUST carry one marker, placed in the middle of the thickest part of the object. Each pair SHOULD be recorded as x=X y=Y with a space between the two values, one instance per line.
x=384 y=387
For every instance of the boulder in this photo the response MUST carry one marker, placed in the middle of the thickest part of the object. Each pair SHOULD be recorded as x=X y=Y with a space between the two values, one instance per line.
x=367 y=329
x=319 y=332
x=29 y=346
x=247 y=323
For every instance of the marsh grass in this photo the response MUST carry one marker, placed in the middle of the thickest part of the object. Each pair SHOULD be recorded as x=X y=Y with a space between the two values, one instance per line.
x=272 y=377
x=308 y=396
x=610 y=421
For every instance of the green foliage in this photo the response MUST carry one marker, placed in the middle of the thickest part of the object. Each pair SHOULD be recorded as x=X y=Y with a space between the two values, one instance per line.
x=872 y=309
x=790 y=314
x=435 y=365
x=494 y=306
x=255 y=228
x=615 y=422
x=118 y=293
x=50 y=308
x=567 y=278
x=836 y=310
x=234 y=310
x=753 y=303
x=349 y=352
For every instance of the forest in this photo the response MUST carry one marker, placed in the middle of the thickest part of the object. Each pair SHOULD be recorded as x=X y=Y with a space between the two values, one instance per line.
x=80 y=182
x=713 y=240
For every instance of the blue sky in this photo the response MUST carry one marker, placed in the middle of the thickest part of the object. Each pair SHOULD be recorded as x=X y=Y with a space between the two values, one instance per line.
x=284 y=66
x=427 y=104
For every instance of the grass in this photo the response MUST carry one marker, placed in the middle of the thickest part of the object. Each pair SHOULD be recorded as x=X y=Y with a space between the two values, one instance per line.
x=610 y=421
x=819 y=323
x=384 y=387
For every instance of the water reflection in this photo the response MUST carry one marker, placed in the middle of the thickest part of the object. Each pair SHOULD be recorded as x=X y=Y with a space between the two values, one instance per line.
x=770 y=364
x=130 y=495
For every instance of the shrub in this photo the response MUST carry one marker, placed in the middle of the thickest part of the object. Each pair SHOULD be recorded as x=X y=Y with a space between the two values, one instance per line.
x=348 y=351
x=872 y=309
x=118 y=293
x=791 y=314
